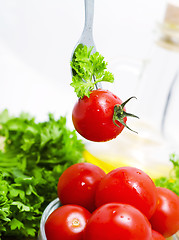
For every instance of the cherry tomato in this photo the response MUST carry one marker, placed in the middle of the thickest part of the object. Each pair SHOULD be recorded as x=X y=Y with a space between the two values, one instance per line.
x=128 y=185
x=78 y=183
x=165 y=220
x=67 y=222
x=116 y=221
x=93 y=117
x=157 y=236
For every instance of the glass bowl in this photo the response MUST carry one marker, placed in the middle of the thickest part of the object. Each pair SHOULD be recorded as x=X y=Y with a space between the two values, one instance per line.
x=50 y=208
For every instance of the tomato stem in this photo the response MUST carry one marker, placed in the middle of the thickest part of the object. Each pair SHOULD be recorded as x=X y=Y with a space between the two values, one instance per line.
x=120 y=114
x=75 y=222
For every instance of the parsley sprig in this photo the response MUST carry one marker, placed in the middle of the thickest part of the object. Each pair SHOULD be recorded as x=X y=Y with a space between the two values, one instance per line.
x=171 y=182
x=86 y=67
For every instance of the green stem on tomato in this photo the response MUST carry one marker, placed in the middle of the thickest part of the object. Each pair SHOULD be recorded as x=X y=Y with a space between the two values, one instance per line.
x=120 y=114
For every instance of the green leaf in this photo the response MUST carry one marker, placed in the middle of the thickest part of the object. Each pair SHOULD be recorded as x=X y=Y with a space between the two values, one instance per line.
x=86 y=68
x=22 y=207
x=108 y=77
x=82 y=88
x=15 y=224
x=4 y=116
x=171 y=182
x=15 y=192
x=31 y=231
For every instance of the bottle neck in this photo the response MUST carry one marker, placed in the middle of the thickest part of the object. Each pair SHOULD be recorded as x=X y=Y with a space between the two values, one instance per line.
x=169 y=28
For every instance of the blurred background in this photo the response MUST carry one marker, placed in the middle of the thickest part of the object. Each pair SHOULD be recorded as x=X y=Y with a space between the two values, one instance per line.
x=37 y=39
x=36 y=42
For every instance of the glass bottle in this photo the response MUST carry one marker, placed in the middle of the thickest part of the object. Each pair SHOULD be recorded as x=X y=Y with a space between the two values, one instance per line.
x=156 y=99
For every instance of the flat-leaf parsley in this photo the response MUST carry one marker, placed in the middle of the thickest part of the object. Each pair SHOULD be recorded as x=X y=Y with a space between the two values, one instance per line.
x=32 y=158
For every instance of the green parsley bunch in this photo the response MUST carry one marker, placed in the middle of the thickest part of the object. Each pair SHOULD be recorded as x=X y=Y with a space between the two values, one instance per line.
x=32 y=158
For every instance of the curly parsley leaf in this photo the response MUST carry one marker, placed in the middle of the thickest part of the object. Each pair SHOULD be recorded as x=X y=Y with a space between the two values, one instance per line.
x=33 y=157
x=86 y=67
x=171 y=182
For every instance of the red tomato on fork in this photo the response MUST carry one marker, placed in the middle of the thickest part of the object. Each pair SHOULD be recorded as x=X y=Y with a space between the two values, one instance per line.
x=95 y=118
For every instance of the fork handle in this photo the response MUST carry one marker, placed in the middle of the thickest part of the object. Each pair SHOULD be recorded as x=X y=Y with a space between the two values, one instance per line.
x=89 y=14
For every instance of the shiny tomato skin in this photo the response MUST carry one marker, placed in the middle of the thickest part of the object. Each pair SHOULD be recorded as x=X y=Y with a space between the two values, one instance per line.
x=78 y=183
x=67 y=222
x=116 y=221
x=93 y=117
x=165 y=220
x=128 y=185
x=157 y=236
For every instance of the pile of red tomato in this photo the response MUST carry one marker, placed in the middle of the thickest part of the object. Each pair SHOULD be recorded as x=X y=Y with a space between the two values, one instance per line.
x=124 y=204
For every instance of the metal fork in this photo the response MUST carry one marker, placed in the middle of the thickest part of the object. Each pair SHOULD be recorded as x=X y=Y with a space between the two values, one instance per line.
x=87 y=34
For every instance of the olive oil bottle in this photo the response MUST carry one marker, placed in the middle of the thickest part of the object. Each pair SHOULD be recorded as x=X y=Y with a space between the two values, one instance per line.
x=156 y=105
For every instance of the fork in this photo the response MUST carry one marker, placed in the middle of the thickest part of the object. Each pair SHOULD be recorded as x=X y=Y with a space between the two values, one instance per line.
x=87 y=34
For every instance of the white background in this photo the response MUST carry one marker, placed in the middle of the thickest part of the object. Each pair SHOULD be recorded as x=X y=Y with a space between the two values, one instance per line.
x=38 y=36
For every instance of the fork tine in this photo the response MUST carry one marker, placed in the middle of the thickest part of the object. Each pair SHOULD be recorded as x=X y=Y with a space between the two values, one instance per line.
x=87 y=35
